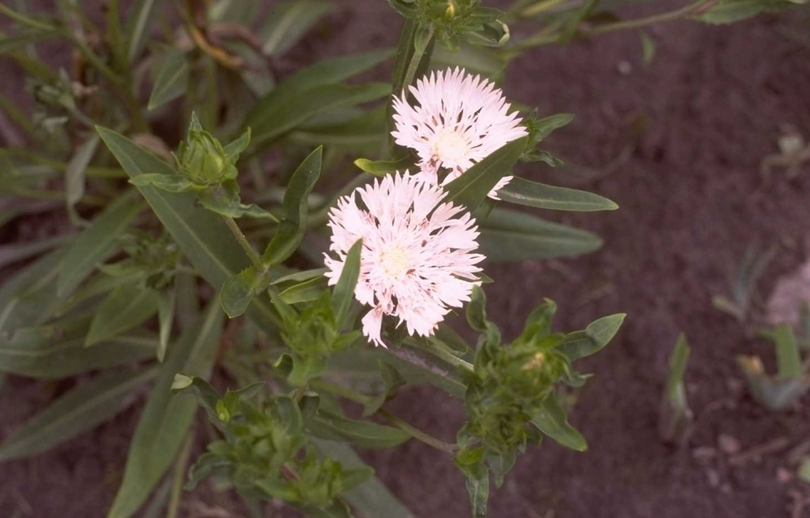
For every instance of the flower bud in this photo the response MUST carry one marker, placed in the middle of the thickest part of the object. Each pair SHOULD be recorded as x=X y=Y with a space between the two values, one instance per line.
x=203 y=158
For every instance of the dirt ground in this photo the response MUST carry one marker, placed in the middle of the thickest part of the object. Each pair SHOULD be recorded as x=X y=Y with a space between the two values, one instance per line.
x=692 y=200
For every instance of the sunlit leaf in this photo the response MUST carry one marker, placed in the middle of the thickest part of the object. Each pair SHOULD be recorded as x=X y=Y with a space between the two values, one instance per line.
x=553 y=422
x=596 y=336
x=532 y=194
x=343 y=293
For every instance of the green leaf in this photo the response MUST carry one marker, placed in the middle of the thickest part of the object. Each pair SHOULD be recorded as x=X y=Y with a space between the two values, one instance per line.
x=166 y=305
x=552 y=421
x=473 y=58
x=126 y=307
x=171 y=78
x=472 y=188
x=730 y=12
x=138 y=26
x=418 y=367
x=392 y=380
x=96 y=242
x=237 y=292
x=675 y=420
x=28 y=298
x=74 y=172
x=788 y=360
x=476 y=310
x=228 y=204
x=384 y=167
x=10 y=254
x=772 y=393
x=647 y=48
x=166 y=419
x=477 y=485
x=203 y=236
x=165 y=182
x=80 y=409
x=12 y=43
x=291 y=19
x=579 y=344
x=306 y=291
x=372 y=498
x=57 y=350
x=544 y=127
x=291 y=231
x=508 y=235
x=532 y=194
x=343 y=293
x=304 y=275
x=364 y=434
x=269 y=120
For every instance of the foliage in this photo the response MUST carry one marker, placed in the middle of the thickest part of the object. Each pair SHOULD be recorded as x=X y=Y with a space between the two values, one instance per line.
x=262 y=159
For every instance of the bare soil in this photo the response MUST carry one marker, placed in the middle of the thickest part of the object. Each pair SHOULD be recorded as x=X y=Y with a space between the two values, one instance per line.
x=692 y=200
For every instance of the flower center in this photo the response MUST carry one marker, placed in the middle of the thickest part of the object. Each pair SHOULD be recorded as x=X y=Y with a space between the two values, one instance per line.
x=450 y=147
x=394 y=262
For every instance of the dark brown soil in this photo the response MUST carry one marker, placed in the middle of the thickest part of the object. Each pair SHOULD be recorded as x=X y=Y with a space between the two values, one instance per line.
x=692 y=201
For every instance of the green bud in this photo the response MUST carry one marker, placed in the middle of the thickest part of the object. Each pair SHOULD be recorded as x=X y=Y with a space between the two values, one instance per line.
x=203 y=158
x=222 y=412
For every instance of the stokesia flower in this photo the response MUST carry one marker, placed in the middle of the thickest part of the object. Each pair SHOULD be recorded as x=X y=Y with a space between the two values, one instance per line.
x=417 y=260
x=460 y=120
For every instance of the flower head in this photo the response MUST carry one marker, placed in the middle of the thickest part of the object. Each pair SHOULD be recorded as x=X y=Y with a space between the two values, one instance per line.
x=417 y=259
x=460 y=120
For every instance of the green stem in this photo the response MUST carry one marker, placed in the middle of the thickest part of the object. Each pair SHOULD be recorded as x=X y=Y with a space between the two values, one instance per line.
x=14 y=15
x=643 y=22
x=415 y=60
x=244 y=243
x=418 y=434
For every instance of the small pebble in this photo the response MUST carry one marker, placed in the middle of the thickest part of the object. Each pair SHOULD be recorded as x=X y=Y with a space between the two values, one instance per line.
x=624 y=67
x=728 y=444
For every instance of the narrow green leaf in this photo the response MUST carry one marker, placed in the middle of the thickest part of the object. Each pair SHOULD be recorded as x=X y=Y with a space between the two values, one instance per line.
x=477 y=485
x=269 y=121
x=166 y=305
x=788 y=360
x=12 y=43
x=140 y=21
x=532 y=194
x=384 y=167
x=596 y=336
x=300 y=276
x=171 y=78
x=203 y=236
x=74 y=172
x=238 y=290
x=96 y=242
x=324 y=72
x=472 y=188
x=364 y=434
x=372 y=498
x=81 y=409
x=677 y=367
x=10 y=254
x=730 y=12
x=125 y=307
x=647 y=47
x=508 y=235
x=296 y=201
x=553 y=422
x=28 y=298
x=291 y=19
x=306 y=291
x=57 y=350
x=166 y=419
x=343 y=293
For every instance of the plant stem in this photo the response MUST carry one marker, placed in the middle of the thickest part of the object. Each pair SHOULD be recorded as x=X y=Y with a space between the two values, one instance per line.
x=418 y=434
x=415 y=60
x=642 y=22
x=244 y=243
x=14 y=15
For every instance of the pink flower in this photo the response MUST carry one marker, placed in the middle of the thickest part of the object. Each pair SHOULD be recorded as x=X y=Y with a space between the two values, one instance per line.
x=417 y=259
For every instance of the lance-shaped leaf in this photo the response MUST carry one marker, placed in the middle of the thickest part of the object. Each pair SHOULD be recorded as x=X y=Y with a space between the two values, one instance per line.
x=306 y=291
x=74 y=173
x=125 y=307
x=365 y=434
x=472 y=187
x=166 y=304
x=80 y=409
x=343 y=294
x=203 y=236
x=384 y=167
x=788 y=360
x=290 y=21
x=166 y=419
x=28 y=298
x=138 y=26
x=579 y=344
x=171 y=78
x=291 y=230
x=532 y=194
x=470 y=463
x=97 y=241
x=552 y=421
x=675 y=418
x=508 y=235
x=57 y=350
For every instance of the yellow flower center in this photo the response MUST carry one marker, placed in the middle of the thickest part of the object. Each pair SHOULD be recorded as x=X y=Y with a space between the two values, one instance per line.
x=394 y=262
x=450 y=147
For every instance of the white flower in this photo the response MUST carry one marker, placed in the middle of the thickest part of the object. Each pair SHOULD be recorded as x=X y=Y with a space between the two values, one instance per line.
x=460 y=120
x=417 y=260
